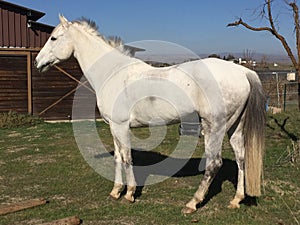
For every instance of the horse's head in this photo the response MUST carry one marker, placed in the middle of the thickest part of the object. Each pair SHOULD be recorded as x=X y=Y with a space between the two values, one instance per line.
x=58 y=47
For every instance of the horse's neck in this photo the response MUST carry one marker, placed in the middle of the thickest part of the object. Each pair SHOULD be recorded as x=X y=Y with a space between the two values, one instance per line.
x=97 y=59
x=88 y=49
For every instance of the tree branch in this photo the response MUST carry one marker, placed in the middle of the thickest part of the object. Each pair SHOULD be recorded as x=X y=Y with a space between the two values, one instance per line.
x=241 y=22
x=272 y=29
x=270 y=16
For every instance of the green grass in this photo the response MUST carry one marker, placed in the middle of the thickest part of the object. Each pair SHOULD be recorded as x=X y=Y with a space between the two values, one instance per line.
x=43 y=161
x=13 y=119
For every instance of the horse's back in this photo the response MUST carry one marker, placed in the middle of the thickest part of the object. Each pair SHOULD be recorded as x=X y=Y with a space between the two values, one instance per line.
x=219 y=69
x=229 y=77
x=224 y=85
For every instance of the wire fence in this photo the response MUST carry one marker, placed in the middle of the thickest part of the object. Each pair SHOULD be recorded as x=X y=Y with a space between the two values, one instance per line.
x=281 y=88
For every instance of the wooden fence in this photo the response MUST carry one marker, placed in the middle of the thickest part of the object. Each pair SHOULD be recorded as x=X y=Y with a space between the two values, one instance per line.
x=281 y=92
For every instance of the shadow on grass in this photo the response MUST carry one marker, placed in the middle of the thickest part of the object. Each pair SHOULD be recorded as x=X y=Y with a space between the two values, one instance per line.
x=142 y=159
x=283 y=129
x=147 y=163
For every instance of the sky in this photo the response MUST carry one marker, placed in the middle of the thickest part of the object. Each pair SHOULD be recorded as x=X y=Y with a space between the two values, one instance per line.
x=199 y=25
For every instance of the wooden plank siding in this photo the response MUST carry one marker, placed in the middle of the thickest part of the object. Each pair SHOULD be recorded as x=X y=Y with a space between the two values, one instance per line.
x=5 y=28
x=17 y=30
x=41 y=93
x=13 y=28
x=50 y=87
x=13 y=84
x=23 y=35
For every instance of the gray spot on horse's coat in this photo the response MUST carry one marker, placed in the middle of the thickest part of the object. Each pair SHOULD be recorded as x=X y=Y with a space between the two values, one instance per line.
x=212 y=169
x=242 y=162
x=152 y=98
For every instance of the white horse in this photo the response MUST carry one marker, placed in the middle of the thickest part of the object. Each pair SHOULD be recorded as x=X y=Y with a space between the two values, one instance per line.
x=227 y=97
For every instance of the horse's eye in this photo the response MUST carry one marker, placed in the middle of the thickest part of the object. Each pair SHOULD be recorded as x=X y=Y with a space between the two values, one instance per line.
x=53 y=38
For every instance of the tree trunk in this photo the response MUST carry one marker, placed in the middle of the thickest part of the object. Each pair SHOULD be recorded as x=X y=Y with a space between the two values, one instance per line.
x=298 y=94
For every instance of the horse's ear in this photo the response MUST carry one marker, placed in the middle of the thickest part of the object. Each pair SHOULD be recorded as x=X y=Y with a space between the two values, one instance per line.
x=63 y=21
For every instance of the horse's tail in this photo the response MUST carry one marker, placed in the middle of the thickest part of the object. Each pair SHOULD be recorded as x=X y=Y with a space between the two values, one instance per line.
x=254 y=127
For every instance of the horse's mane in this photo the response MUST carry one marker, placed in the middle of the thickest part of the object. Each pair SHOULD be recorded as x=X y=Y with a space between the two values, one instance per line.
x=88 y=25
x=91 y=27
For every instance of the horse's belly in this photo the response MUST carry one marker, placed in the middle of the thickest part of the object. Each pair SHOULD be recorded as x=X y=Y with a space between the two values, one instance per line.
x=154 y=111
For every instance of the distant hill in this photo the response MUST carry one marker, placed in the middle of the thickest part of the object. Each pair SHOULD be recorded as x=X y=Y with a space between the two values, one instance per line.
x=270 y=58
x=167 y=58
x=179 y=58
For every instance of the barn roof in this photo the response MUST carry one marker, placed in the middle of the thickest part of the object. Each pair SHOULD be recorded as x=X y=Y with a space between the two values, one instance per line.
x=41 y=26
x=31 y=13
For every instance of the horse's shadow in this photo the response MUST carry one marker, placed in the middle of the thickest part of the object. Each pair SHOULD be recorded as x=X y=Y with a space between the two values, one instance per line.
x=147 y=163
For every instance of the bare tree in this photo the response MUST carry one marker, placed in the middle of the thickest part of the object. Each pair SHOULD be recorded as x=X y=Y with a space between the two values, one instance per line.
x=267 y=14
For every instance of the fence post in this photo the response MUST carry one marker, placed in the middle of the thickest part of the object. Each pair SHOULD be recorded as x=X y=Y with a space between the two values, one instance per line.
x=278 y=91
x=284 y=98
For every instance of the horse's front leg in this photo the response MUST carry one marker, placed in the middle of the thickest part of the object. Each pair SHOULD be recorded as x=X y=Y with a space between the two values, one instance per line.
x=118 y=183
x=131 y=184
x=123 y=159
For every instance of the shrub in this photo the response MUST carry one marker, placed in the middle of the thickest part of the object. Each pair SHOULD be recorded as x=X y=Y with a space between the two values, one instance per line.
x=13 y=119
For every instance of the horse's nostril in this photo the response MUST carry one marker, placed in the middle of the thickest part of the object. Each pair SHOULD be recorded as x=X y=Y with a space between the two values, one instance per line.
x=35 y=63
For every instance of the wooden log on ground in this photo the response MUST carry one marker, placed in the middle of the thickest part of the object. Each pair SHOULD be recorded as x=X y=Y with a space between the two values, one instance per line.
x=66 y=221
x=15 y=207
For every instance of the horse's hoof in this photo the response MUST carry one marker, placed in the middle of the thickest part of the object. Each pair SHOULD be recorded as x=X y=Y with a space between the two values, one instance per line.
x=233 y=206
x=113 y=198
x=127 y=200
x=187 y=210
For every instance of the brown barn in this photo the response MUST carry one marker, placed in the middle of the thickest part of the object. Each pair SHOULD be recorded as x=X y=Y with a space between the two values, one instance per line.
x=22 y=87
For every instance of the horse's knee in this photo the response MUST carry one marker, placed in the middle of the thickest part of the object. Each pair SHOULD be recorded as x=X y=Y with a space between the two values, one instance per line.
x=126 y=157
x=214 y=165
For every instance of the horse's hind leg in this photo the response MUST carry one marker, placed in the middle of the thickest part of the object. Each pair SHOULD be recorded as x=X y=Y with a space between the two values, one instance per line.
x=213 y=146
x=237 y=142
x=210 y=172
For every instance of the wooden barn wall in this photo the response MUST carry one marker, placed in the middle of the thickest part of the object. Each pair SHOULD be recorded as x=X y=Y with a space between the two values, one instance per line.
x=48 y=88
x=14 y=30
x=13 y=83
x=38 y=36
